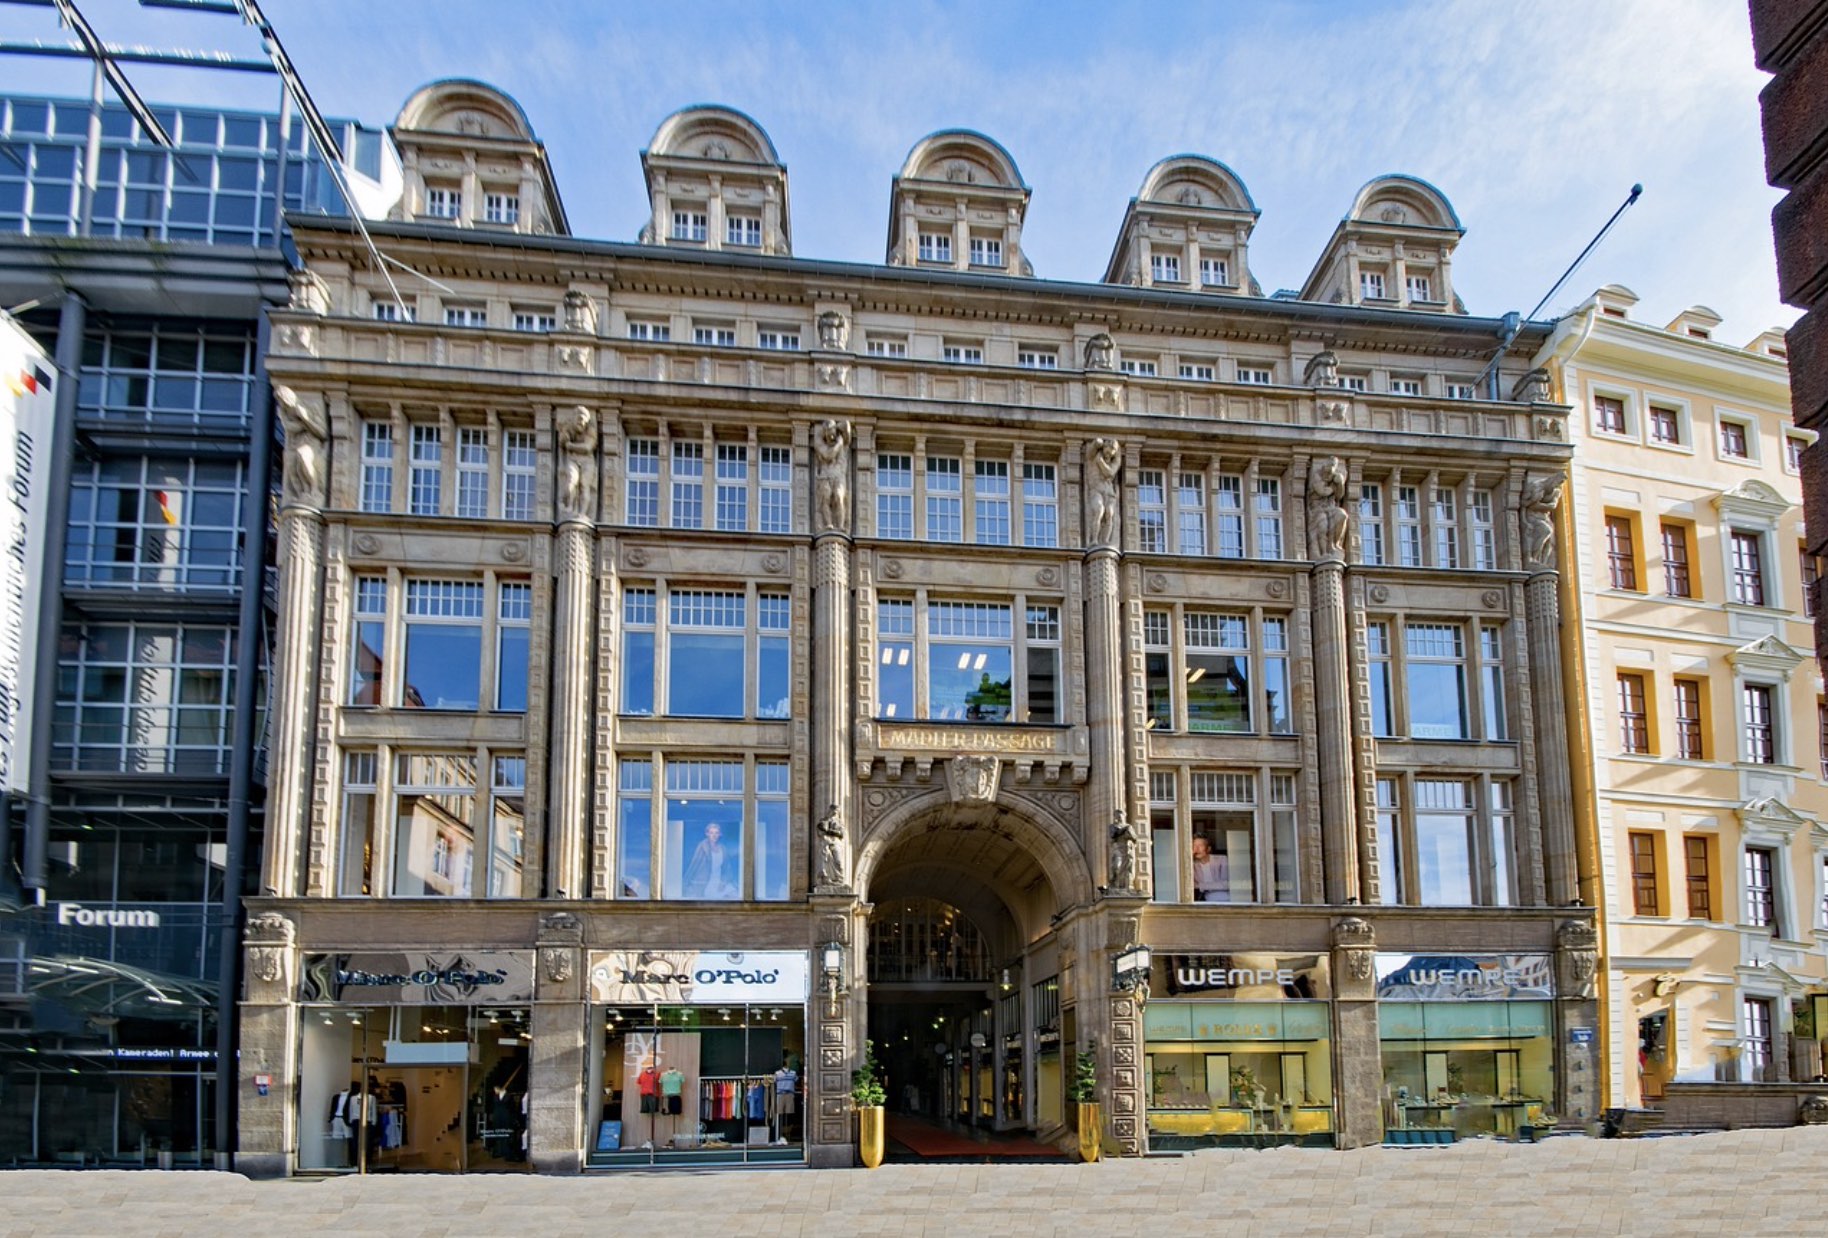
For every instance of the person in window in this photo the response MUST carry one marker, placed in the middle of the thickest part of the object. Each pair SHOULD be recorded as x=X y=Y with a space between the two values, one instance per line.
x=1211 y=875
x=709 y=875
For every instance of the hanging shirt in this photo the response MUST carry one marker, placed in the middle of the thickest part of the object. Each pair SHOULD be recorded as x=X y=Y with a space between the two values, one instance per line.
x=758 y=1103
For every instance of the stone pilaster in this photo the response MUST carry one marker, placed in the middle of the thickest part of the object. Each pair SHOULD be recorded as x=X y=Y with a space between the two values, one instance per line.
x=1333 y=733
x=1106 y=795
x=295 y=658
x=573 y=678
x=1577 y=1082
x=834 y=1046
x=1358 y=1072
x=1121 y=1047
x=560 y=1039
x=832 y=772
x=267 y=1127
x=1542 y=612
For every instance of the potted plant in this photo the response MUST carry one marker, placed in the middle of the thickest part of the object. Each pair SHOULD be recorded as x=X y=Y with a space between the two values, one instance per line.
x=1084 y=1092
x=867 y=1094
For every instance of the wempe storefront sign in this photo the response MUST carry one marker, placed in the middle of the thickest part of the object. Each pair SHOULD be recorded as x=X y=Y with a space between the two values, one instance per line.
x=1465 y=977
x=688 y=976
x=1247 y=976
x=470 y=978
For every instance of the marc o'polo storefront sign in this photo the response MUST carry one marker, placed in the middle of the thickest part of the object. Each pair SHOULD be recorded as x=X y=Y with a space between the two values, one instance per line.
x=697 y=976
x=419 y=978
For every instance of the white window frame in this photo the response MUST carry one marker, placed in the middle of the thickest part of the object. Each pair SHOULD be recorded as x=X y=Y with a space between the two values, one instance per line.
x=689 y=224
x=1215 y=273
x=934 y=247
x=743 y=231
x=501 y=208
x=1165 y=268
x=650 y=330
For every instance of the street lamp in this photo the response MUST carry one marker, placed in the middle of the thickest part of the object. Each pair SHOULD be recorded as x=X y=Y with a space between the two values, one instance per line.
x=1130 y=970
x=831 y=963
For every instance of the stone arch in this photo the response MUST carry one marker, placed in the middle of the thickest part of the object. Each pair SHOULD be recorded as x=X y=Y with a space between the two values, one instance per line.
x=1178 y=179
x=465 y=106
x=962 y=155
x=712 y=131
x=1010 y=855
x=1398 y=200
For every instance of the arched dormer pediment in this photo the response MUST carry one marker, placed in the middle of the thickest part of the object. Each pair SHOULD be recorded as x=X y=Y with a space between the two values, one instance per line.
x=1767 y=656
x=958 y=203
x=1769 y=816
x=1187 y=229
x=1752 y=500
x=1394 y=249
x=716 y=182
x=470 y=159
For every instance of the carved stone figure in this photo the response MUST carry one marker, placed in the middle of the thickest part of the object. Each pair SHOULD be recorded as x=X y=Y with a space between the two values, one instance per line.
x=1328 y=523
x=1123 y=853
x=834 y=331
x=1540 y=495
x=580 y=313
x=557 y=962
x=309 y=293
x=1532 y=388
x=973 y=779
x=577 y=435
x=1322 y=371
x=1101 y=491
x=307 y=438
x=831 y=848
x=831 y=492
x=1360 y=964
x=1101 y=353
x=1354 y=931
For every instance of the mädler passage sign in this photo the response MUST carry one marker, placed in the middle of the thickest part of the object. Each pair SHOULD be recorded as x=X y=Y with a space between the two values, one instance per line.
x=25 y=466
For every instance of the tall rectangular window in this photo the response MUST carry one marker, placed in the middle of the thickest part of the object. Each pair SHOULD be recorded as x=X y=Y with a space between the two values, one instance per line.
x=1228 y=498
x=1676 y=582
x=1371 y=524
x=1269 y=518
x=1152 y=510
x=1409 y=526
x=1040 y=506
x=1043 y=647
x=894 y=496
x=1417 y=287
x=732 y=486
x=1436 y=654
x=1446 y=528
x=635 y=830
x=773 y=656
x=1484 y=530
x=702 y=843
x=1444 y=824
x=1191 y=494
x=776 y=476
x=443 y=644
x=1389 y=849
x=772 y=830
x=1218 y=672
x=688 y=485
x=367 y=658
x=970 y=676
x=1761 y=887
x=1645 y=900
x=1491 y=679
x=507 y=827
x=638 y=651
x=1759 y=1042
x=472 y=473
x=1821 y=735
x=357 y=866
x=1634 y=732
x=1621 y=553
x=1748 y=569
x=1383 y=701
x=1811 y=578
x=1158 y=669
x=945 y=500
x=1760 y=724
x=1698 y=858
x=1278 y=711
x=1370 y=285
x=895 y=672
x=1689 y=734
x=513 y=633
x=991 y=502
x=434 y=825
x=427 y=470
x=704 y=653
x=519 y=474
x=377 y=466
x=643 y=455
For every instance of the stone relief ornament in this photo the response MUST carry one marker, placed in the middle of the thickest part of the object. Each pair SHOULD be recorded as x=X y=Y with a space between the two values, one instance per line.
x=1540 y=495
x=1123 y=854
x=575 y=356
x=1102 y=466
x=1328 y=523
x=1276 y=588
x=832 y=376
x=834 y=331
x=580 y=313
x=1106 y=397
x=307 y=438
x=1491 y=599
x=367 y=543
x=269 y=936
x=775 y=563
x=1101 y=353
x=831 y=849
x=514 y=552
x=973 y=778
x=557 y=963
x=1550 y=429
x=267 y=963
x=1333 y=412
x=1322 y=371
x=891 y=569
x=577 y=435
x=1380 y=594
x=308 y=293
x=831 y=441
x=1360 y=964
x=1532 y=388
x=1354 y=931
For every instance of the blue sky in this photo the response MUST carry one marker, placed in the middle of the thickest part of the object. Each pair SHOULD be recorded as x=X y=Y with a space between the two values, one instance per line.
x=1533 y=118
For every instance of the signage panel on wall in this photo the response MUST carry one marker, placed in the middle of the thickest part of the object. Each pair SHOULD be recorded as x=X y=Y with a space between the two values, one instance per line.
x=1245 y=976
x=419 y=978
x=27 y=377
x=696 y=976
x=1465 y=977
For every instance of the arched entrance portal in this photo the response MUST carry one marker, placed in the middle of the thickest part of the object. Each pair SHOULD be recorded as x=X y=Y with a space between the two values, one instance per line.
x=962 y=960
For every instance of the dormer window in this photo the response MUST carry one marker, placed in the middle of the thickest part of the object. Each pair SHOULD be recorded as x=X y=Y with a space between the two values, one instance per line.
x=1700 y=333
x=1405 y=386
x=1260 y=375
x=936 y=247
x=715 y=336
x=649 y=329
x=465 y=316
x=1418 y=287
x=1165 y=268
x=1139 y=367
x=535 y=319
x=1215 y=273
x=782 y=339
x=961 y=353
x=744 y=230
x=1371 y=285
x=501 y=208
x=442 y=203
x=689 y=225
x=1035 y=357
x=987 y=251
x=886 y=345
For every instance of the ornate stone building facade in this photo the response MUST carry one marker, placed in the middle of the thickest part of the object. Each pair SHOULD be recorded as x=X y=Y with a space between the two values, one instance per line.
x=696 y=660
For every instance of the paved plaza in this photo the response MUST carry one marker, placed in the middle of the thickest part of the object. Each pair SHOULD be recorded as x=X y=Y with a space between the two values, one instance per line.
x=1743 y=1182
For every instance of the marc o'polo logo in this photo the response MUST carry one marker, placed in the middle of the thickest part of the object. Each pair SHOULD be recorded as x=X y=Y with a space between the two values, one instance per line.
x=106 y=917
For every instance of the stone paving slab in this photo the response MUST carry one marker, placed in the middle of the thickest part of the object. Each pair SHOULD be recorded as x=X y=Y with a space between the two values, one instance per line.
x=1737 y=1183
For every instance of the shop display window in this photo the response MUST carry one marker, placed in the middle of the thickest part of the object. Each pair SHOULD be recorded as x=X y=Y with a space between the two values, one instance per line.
x=1238 y=1071
x=1477 y=1067
x=697 y=1085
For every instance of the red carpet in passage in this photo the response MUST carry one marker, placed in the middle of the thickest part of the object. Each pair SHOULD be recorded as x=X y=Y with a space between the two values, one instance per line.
x=924 y=1138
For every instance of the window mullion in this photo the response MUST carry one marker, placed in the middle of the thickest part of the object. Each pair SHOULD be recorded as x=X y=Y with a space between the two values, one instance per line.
x=488 y=685
x=919 y=521
x=385 y=810
x=393 y=640
x=921 y=654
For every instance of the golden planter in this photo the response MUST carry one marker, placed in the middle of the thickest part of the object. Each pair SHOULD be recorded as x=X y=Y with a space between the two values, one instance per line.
x=869 y=1135
x=1091 y=1129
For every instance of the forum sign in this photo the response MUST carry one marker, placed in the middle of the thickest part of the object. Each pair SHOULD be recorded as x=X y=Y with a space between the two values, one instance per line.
x=26 y=380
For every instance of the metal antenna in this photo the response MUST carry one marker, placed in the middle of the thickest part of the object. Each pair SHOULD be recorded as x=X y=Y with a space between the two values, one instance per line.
x=1636 y=192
